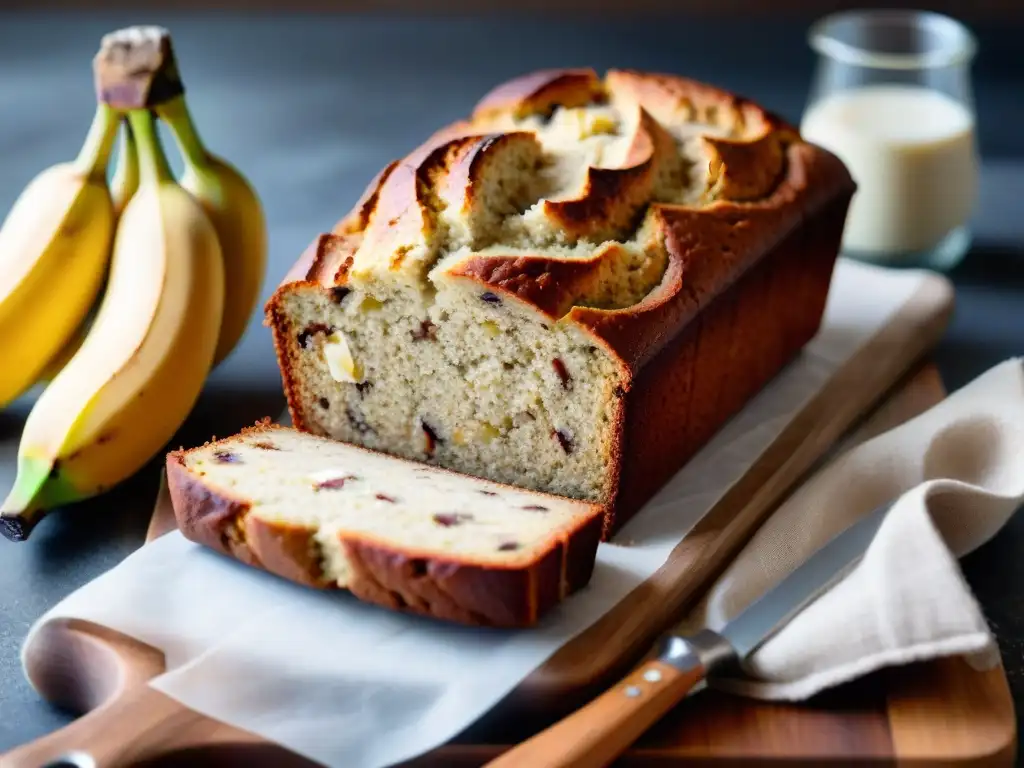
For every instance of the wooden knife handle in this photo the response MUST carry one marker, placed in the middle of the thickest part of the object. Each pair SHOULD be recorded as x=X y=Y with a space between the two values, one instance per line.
x=138 y=725
x=594 y=736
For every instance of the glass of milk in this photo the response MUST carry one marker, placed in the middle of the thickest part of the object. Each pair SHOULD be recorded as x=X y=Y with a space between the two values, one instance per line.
x=891 y=97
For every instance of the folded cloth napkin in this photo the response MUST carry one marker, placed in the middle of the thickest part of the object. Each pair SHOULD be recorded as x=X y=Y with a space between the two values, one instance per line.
x=956 y=473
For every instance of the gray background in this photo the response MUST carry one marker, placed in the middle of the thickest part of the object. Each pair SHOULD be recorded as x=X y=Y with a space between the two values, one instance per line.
x=311 y=107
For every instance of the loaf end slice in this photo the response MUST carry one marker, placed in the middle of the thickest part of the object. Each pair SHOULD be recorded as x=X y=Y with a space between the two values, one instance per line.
x=404 y=535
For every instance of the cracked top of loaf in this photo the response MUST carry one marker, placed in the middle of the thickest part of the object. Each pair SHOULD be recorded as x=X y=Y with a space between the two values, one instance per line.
x=622 y=203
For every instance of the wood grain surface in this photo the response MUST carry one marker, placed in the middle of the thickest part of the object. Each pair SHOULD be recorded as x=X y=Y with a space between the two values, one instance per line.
x=941 y=711
x=936 y=713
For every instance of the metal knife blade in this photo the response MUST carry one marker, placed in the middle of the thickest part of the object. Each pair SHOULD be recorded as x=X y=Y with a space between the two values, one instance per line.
x=745 y=633
x=770 y=612
x=594 y=735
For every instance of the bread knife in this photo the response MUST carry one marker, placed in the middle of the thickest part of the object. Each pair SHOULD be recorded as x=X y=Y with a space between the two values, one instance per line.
x=596 y=734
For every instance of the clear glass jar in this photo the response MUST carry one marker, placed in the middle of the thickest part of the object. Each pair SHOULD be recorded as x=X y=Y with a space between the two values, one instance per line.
x=891 y=96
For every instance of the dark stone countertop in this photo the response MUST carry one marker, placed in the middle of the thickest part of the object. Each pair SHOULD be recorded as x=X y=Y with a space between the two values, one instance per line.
x=310 y=108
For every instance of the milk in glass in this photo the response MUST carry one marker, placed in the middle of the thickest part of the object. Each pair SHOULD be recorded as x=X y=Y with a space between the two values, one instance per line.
x=911 y=151
x=891 y=97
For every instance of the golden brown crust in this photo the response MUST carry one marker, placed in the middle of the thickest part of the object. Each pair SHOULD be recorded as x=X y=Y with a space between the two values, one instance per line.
x=204 y=516
x=766 y=188
x=469 y=166
x=723 y=357
x=286 y=550
x=357 y=219
x=324 y=265
x=672 y=99
x=406 y=210
x=548 y=284
x=539 y=92
x=711 y=247
x=612 y=198
x=763 y=182
x=468 y=593
x=285 y=349
x=454 y=590
x=744 y=171
x=325 y=261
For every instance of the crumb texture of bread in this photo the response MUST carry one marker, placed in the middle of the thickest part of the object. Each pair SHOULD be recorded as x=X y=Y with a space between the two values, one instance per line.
x=490 y=303
x=398 y=533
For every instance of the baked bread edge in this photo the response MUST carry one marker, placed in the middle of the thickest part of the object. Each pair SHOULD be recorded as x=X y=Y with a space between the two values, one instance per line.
x=454 y=590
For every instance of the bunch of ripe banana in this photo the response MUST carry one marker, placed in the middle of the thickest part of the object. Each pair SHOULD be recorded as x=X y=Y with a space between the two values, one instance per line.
x=121 y=298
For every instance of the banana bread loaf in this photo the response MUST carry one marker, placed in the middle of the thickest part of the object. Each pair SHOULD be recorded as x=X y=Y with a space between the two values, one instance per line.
x=569 y=291
x=401 y=534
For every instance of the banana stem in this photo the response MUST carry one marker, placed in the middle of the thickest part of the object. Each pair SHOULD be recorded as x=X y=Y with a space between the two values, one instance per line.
x=153 y=164
x=94 y=156
x=127 y=171
x=175 y=113
x=126 y=175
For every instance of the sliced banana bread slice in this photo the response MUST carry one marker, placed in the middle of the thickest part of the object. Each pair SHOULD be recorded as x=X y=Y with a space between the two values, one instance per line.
x=402 y=534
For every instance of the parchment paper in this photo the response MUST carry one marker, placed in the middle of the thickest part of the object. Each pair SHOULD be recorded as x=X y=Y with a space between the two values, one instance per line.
x=353 y=685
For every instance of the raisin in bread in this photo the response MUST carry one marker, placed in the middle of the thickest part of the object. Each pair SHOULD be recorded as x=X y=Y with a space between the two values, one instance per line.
x=402 y=534
x=569 y=291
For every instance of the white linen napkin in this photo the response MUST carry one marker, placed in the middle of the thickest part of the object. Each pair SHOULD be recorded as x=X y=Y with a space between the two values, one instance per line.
x=957 y=471
x=348 y=684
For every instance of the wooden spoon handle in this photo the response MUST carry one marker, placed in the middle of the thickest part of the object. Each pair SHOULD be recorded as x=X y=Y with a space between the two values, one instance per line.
x=592 y=737
x=140 y=724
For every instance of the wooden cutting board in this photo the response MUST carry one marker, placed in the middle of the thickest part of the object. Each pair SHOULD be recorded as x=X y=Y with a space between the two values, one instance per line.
x=940 y=709
x=936 y=713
